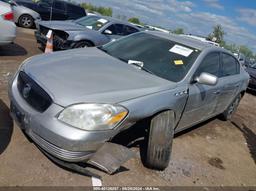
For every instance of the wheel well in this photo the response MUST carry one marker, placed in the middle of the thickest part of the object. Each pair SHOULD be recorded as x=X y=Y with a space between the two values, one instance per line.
x=161 y=111
x=25 y=14
x=88 y=41
x=242 y=93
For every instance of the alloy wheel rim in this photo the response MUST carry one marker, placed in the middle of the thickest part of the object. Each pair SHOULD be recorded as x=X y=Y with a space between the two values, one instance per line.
x=26 y=21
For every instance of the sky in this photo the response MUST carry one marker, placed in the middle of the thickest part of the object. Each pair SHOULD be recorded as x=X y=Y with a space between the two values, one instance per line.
x=238 y=17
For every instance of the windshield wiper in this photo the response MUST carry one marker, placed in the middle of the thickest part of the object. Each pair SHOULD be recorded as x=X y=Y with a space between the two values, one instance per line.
x=136 y=63
x=139 y=65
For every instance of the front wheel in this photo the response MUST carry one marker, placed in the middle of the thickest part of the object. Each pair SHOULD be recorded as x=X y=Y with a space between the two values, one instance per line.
x=159 y=143
x=229 y=112
x=26 y=21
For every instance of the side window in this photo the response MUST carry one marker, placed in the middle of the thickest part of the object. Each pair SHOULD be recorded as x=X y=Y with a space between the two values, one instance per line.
x=210 y=64
x=129 y=30
x=230 y=66
x=112 y=29
x=116 y=29
x=59 y=5
x=119 y=29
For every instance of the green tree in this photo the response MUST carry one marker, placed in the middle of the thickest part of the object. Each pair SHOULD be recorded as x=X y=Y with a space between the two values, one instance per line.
x=246 y=51
x=218 y=33
x=134 y=20
x=231 y=47
x=178 y=31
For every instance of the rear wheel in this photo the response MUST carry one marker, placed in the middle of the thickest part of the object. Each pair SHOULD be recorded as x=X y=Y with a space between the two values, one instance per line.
x=159 y=143
x=82 y=44
x=228 y=113
x=26 y=21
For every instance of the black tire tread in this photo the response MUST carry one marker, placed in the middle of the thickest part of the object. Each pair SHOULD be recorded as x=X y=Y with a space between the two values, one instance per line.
x=160 y=141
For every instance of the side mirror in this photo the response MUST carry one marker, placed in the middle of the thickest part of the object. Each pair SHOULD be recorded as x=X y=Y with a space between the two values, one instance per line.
x=108 y=32
x=207 y=79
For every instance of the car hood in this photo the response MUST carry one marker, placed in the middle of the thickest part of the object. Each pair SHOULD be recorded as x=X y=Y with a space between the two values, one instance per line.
x=90 y=75
x=63 y=25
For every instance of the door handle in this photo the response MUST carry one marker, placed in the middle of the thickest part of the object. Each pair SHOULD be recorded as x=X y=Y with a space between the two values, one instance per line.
x=217 y=92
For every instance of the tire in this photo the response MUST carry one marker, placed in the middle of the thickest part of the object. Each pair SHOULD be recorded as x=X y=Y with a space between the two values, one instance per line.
x=82 y=44
x=26 y=21
x=159 y=142
x=228 y=113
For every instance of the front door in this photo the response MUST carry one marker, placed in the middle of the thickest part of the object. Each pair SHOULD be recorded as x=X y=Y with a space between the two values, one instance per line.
x=203 y=99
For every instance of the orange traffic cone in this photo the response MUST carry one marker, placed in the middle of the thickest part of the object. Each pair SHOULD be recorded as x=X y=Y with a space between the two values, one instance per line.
x=49 y=44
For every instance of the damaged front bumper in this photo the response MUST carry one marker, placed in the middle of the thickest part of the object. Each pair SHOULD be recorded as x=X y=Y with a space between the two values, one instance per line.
x=62 y=141
x=58 y=42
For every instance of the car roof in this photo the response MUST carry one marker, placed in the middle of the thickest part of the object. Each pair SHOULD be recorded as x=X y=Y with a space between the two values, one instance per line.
x=200 y=45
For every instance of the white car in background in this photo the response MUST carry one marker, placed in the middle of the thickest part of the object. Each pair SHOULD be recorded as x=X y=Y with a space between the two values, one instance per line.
x=23 y=16
x=7 y=26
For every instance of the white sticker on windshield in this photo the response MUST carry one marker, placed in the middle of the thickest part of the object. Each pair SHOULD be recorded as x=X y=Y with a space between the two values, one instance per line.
x=181 y=50
x=103 y=21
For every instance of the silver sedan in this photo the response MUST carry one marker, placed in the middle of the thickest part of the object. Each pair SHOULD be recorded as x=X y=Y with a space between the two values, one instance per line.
x=72 y=103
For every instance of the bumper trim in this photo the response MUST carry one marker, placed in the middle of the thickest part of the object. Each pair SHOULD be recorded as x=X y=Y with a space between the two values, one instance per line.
x=70 y=156
x=70 y=166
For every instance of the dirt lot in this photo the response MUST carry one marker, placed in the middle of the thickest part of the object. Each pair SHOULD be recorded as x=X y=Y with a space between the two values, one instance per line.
x=215 y=153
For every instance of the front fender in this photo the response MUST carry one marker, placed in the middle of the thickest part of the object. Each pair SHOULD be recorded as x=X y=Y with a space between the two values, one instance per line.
x=147 y=106
x=94 y=37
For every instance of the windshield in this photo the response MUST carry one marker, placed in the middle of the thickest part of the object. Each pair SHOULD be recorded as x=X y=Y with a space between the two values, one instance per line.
x=92 y=22
x=160 y=56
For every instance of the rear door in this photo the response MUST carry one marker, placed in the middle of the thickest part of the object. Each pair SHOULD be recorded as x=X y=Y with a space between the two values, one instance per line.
x=229 y=80
x=203 y=99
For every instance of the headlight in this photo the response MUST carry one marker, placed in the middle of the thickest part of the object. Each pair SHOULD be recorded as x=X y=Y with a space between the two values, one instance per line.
x=93 y=116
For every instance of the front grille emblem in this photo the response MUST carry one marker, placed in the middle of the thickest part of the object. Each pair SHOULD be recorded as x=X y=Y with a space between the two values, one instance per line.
x=26 y=90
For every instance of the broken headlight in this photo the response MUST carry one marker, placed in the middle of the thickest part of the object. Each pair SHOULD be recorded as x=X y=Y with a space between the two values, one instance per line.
x=93 y=117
